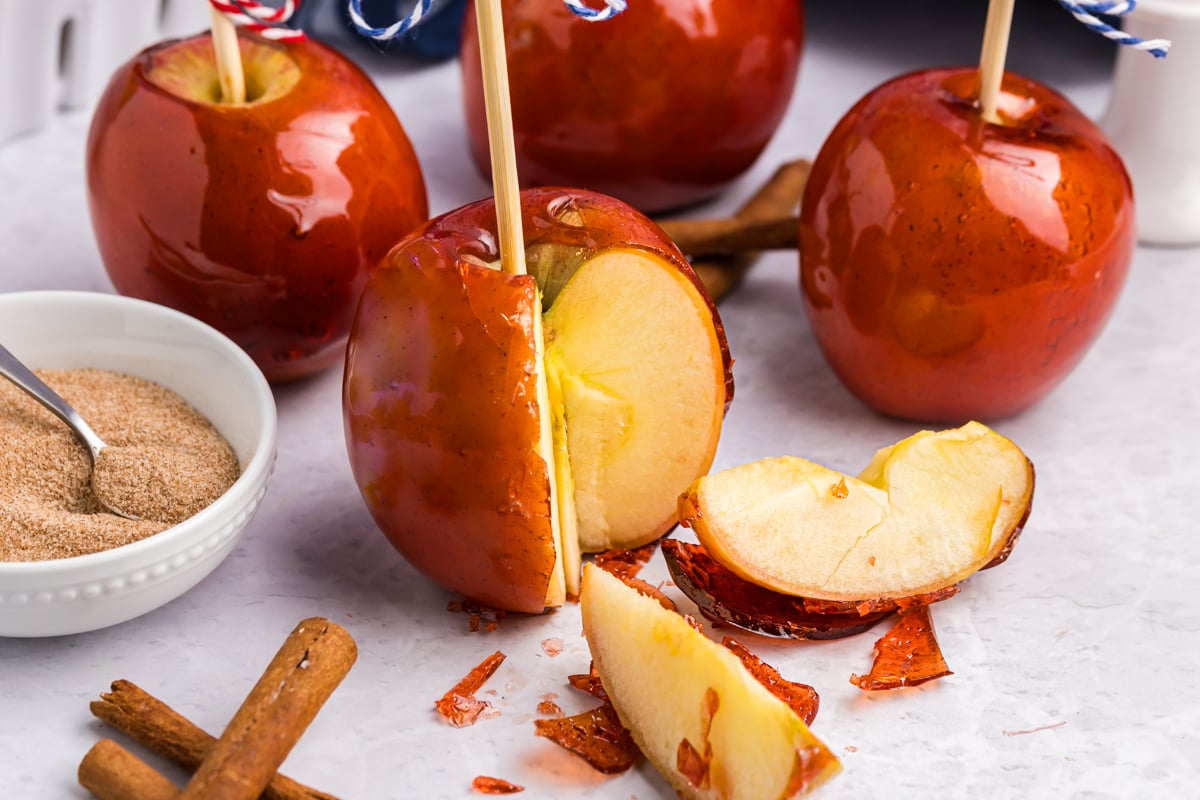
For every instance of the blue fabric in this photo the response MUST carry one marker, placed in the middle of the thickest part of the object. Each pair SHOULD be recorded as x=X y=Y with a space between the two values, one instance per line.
x=436 y=38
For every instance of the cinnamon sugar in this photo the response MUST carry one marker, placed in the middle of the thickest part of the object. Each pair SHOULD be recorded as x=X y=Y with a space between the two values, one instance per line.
x=167 y=462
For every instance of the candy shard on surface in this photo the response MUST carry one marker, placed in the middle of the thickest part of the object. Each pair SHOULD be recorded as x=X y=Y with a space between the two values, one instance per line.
x=907 y=655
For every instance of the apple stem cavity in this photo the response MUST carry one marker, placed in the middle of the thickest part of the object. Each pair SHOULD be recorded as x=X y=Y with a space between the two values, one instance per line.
x=230 y=74
x=992 y=56
x=498 y=106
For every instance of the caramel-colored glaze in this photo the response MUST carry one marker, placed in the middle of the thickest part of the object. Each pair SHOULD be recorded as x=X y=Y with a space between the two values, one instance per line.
x=954 y=269
x=261 y=219
x=724 y=597
x=907 y=655
x=661 y=106
x=439 y=394
x=440 y=400
x=596 y=735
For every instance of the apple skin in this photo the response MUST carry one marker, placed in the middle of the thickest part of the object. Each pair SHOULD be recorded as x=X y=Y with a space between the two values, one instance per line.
x=953 y=269
x=439 y=393
x=260 y=219
x=662 y=105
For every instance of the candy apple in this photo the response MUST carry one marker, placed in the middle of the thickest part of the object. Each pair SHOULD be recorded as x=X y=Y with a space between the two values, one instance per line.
x=956 y=269
x=499 y=424
x=923 y=515
x=699 y=716
x=661 y=106
x=261 y=218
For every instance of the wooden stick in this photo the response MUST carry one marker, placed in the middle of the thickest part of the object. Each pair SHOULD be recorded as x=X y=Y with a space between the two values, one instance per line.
x=498 y=106
x=992 y=57
x=305 y=671
x=702 y=237
x=229 y=58
x=166 y=732
x=778 y=197
x=110 y=772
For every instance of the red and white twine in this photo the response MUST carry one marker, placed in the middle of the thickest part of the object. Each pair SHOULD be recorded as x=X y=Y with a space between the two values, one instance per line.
x=267 y=21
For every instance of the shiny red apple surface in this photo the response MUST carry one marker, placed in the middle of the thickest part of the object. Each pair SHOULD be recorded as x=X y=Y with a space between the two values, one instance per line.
x=263 y=218
x=955 y=269
x=661 y=106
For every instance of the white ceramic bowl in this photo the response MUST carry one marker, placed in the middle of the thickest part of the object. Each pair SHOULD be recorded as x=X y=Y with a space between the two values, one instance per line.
x=72 y=330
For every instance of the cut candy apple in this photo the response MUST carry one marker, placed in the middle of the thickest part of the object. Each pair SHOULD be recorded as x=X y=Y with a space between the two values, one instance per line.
x=697 y=714
x=500 y=425
x=925 y=513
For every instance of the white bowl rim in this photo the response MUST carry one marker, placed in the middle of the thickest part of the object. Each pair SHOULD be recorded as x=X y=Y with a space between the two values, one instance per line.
x=250 y=479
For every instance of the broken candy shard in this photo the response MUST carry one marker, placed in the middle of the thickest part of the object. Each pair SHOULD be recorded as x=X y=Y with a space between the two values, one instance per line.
x=907 y=655
x=459 y=706
x=802 y=698
x=625 y=563
x=597 y=736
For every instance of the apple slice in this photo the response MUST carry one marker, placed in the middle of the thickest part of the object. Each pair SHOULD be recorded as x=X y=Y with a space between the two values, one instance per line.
x=500 y=425
x=925 y=513
x=697 y=714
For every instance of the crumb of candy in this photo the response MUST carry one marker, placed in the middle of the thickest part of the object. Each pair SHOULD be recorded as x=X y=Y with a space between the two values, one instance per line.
x=480 y=617
x=488 y=785
x=549 y=708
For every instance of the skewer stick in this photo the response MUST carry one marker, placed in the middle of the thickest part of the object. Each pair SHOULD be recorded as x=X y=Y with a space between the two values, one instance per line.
x=992 y=56
x=229 y=59
x=500 y=135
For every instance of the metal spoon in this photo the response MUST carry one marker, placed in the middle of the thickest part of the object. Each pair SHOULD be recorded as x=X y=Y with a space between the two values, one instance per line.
x=12 y=368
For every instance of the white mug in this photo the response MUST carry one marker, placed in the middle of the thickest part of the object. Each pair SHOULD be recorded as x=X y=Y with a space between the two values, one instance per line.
x=1153 y=120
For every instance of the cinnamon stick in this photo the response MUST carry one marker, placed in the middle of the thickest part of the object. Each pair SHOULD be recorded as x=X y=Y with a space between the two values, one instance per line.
x=702 y=237
x=110 y=772
x=777 y=198
x=297 y=682
x=166 y=732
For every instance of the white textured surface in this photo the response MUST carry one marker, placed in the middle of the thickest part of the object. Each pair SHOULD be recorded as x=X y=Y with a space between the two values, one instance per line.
x=1075 y=662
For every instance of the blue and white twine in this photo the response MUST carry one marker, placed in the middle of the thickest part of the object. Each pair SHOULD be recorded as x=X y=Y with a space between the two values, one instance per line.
x=423 y=7
x=1085 y=13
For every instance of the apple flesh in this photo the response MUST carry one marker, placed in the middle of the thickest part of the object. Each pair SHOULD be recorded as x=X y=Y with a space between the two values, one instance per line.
x=261 y=218
x=679 y=692
x=954 y=269
x=498 y=425
x=923 y=515
x=661 y=106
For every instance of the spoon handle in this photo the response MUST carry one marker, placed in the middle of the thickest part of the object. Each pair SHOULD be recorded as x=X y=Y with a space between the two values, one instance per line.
x=12 y=368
